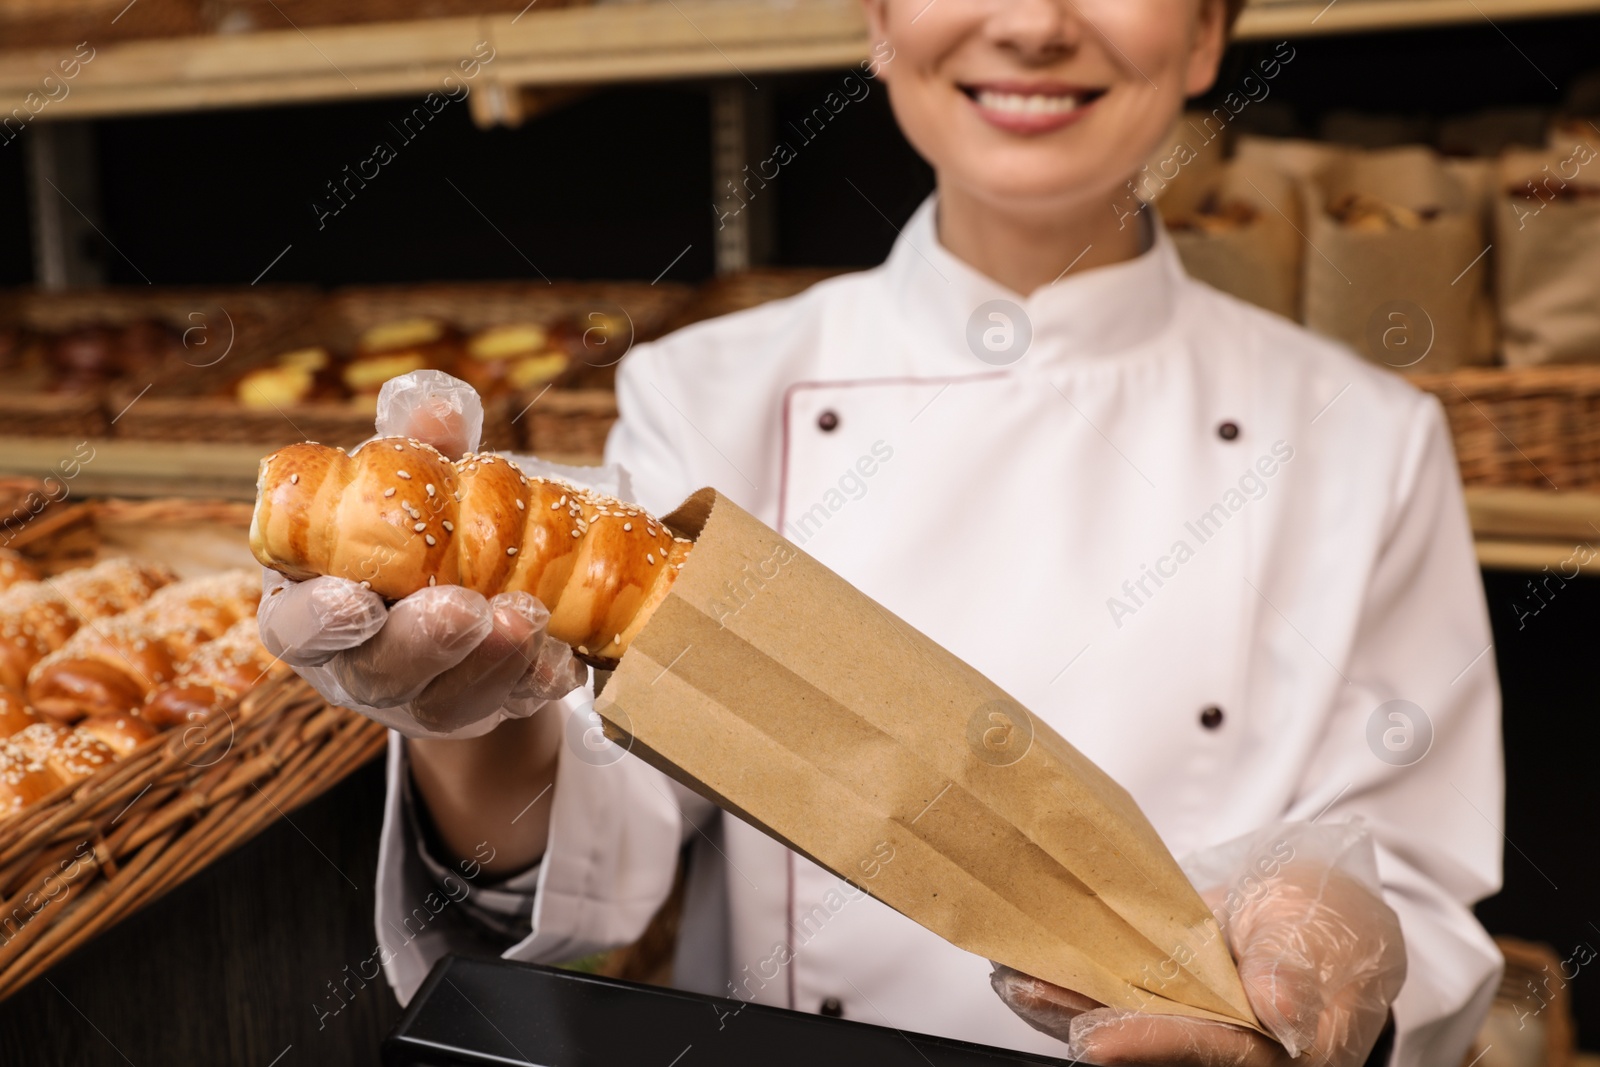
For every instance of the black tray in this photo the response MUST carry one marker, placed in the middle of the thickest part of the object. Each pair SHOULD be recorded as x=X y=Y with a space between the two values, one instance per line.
x=474 y=1011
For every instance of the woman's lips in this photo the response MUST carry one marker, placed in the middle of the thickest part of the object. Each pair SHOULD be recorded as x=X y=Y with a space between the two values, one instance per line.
x=1026 y=110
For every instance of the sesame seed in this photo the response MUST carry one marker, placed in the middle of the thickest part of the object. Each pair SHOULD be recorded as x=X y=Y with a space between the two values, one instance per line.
x=627 y=526
x=366 y=585
x=419 y=527
x=388 y=492
x=556 y=505
x=449 y=527
x=617 y=640
x=520 y=506
x=511 y=551
x=575 y=533
x=563 y=499
x=432 y=580
x=649 y=557
x=583 y=650
x=399 y=448
x=294 y=479
x=404 y=474
x=429 y=488
x=429 y=538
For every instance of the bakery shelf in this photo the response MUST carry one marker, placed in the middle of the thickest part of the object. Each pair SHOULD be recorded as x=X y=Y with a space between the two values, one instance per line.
x=153 y=468
x=654 y=39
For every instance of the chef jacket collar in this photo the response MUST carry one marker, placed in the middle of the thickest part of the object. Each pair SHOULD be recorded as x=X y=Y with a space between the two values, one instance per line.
x=1101 y=312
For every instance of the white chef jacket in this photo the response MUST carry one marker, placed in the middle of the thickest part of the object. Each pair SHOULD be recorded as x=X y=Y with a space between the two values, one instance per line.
x=1203 y=544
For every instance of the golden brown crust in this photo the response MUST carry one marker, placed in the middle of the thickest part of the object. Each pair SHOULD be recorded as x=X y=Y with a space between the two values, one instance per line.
x=14 y=568
x=36 y=618
x=398 y=517
x=69 y=754
x=112 y=664
x=121 y=732
x=14 y=714
x=221 y=671
x=24 y=779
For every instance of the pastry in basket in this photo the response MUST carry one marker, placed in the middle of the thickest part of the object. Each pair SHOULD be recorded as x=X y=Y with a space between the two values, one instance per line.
x=36 y=618
x=397 y=348
x=1213 y=216
x=217 y=674
x=15 y=568
x=14 y=714
x=113 y=665
x=24 y=779
x=513 y=356
x=296 y=377
x=70 y=754
x=121 y=732
x=397 y=516
x=1369 y=214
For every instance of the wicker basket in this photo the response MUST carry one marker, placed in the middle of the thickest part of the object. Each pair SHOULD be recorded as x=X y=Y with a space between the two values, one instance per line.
x=569 y=424
x=196 y=410
x=1537 y=427
x=79 y=861
x=215 y=325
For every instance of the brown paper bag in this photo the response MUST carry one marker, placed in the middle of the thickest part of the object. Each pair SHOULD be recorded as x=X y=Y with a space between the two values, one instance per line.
x=1258 y=260
x=774 y=688
x=1414 y=299
x=1547 y=240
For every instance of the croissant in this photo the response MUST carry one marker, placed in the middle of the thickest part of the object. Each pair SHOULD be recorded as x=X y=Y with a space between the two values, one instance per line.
x=397 y=517
x=112 y=665
x=36 y=618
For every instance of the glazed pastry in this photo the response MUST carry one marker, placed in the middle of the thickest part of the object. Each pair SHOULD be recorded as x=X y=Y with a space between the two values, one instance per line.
x=215 y=676
x=15 y=568
x=113 y=665
x=24 y=779
x=36 y=618
x=14 y=714
x=397 y=348
x=512 y=356
x=295 y=377
x=121 y=732
x=67 y=753
x=397 y=516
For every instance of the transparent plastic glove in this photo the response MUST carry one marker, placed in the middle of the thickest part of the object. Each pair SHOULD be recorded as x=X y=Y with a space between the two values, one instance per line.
x=443 y=662
x=1320 y=954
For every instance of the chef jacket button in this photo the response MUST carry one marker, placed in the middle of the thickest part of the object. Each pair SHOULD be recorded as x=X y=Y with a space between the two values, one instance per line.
x=828 y=421
x=831 y=1008
x=1228 y=430
x=1211 y=717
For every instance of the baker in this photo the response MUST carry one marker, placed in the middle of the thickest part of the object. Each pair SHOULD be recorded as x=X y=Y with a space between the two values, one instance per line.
x=1225 y=558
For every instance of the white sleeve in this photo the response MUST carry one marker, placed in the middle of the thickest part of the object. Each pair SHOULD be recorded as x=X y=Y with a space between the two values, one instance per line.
x=615 y=832
x=1432 y=791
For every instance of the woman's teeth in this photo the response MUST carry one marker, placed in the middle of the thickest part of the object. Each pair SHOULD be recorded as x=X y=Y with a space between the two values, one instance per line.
x=1030 y=104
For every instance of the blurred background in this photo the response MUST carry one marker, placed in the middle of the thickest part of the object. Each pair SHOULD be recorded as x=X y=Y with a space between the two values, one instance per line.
x=224 y=223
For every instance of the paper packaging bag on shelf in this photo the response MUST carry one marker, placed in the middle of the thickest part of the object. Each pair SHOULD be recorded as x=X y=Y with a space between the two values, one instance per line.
x=774 y=688
x=1411 y=298
x=1547 y=240
x=1259 y=258
x=1294 y=156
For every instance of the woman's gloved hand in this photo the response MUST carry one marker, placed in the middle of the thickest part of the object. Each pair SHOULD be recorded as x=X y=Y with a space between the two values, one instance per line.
x=1320 y=954
x=443 y=662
